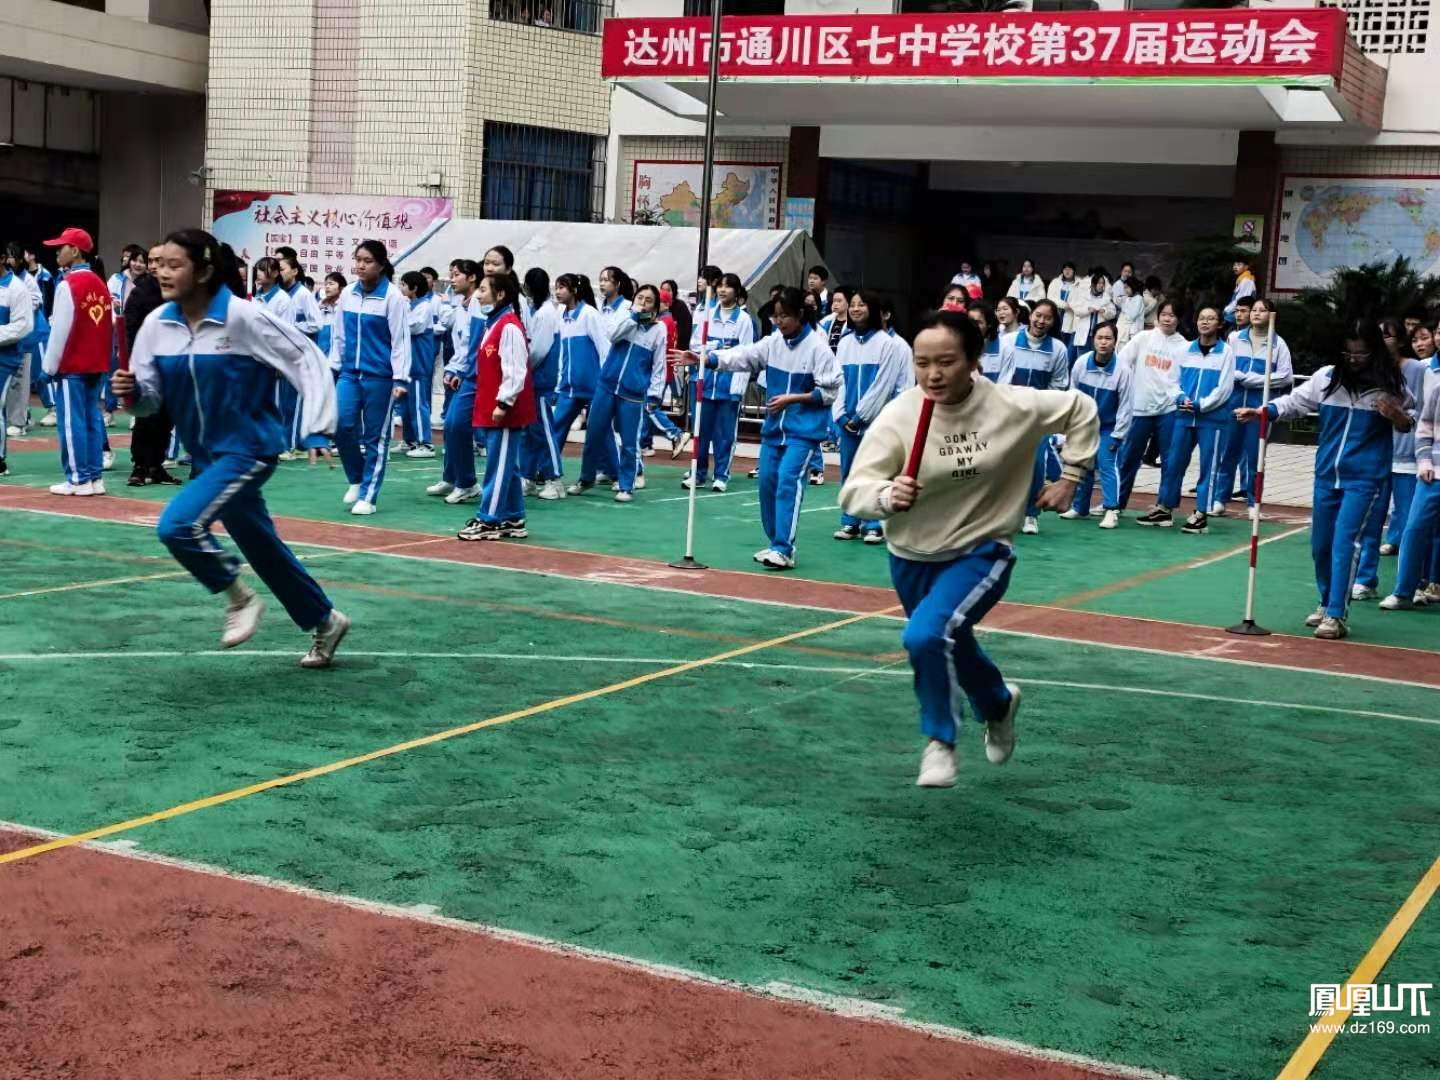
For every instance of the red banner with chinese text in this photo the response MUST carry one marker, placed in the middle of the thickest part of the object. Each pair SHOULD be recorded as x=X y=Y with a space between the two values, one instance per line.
x=1230 y=43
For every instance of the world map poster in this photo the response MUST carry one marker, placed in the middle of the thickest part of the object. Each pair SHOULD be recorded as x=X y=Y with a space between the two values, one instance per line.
x=1329 y=222
x=743 y=195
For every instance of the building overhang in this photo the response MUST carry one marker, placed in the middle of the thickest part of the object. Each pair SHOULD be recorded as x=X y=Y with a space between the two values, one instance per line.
x=1243 y=68
x=70 y=46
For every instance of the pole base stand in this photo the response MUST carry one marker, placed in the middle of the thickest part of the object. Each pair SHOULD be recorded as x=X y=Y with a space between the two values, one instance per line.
x=689 y=563
x=1248 y=628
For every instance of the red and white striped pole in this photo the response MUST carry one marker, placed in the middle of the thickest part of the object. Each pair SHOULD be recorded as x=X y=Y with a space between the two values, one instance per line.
x=1249 y=627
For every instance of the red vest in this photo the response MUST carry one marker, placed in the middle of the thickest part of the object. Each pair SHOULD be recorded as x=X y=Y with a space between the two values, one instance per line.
x=488 y=379
x=92 y=333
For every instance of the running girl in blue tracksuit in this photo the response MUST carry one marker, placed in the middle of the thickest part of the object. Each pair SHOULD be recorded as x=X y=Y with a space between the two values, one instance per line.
x=1035 y=358
x=729 y=327
x=633 y=374
x=211 y=359
x=802 y=380
x=371 y=341
x=539 y=452
x=873 y=363
x=1101 y=376
x=1207 y=378
x=1361 y=402
x=583 y=341
x=1242 y=441
x=1422 y=522
x=414 y=408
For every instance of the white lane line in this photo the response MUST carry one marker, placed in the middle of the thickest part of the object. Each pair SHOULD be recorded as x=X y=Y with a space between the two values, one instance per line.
x=1242 y=550
x=822 y=1001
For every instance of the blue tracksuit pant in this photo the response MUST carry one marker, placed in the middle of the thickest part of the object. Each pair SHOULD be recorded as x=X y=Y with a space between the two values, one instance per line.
x=287 y=400
x=1047 y=468
x=1402 y=493
x=567 y=412
x=362 y=433
x=719 y=421
x=539 y=452
x=458 y=468
x=1131 y=454
x=503 y=496
x=1184 y=438
x=1418 y=544
x=1107 y=467
x=783 y=480
x=1337 y=522
x=1367 y=568
x=660 y=421
x=611 y=418
x=849 y=445
x=42 y=383
x=227 y=489
x=1242 y=456
x=81 y=426
x=414 y=408
x=6 y=377
x=945 y=601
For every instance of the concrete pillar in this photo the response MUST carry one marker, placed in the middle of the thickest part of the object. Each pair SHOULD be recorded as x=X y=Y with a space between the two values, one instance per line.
x=150 y=147
x=1257 y=171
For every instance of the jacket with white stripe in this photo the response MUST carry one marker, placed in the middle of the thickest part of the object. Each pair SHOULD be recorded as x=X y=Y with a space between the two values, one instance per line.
x=218 y=380
x=1428 y=427
x=1250 y=369
x=635 y=367
x=872 y=364
x=1109 y=386
x=1042 y=364
x=803 y=364
x=277 y=301
x=1206 y=379
x=1356 y=442
x=305 y=309
x=422 y=337
x=371 y=337
x=584 y=340
x=545 y=346
x=17 y=320
x=726 y=330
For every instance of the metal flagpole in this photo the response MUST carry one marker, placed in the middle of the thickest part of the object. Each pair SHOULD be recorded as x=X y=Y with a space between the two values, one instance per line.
x=1248 y=627
x=707 y=184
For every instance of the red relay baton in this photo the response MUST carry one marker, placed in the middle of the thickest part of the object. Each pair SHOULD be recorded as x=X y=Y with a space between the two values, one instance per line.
x=922 y=433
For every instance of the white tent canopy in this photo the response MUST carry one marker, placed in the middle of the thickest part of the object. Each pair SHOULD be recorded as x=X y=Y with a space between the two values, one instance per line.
x=648 y=253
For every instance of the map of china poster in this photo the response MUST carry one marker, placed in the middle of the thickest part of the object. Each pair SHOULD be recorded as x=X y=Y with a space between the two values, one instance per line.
x=743 y=196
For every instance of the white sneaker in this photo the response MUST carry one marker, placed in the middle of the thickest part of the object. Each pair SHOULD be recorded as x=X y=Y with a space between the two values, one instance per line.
x=84 y=489
x=649 y=451
x=604 y=478
x=97 y=487
x=1031 y=527
x=577 y=488
x=327 y=639
x=289 y=455
x=640 y=482
x=1421 y=598
x=1396 y=603
x=48 y=420
x=1332 y=629
x=817 y=479
x=550 y=490
x=720 y=486
x=1070 y=515
x=352 y=493
x=109 y=418
x=1362 y=592
x=686 y=483
x=623 y=496
x=443 y=487
x=937 y=765
x=1111 y=519
x=1218 y=509
x=775 y=560
x=65 y=488
x=1315 y=618
x=13 y=431
x=1000 y=734
x=362 y=508
x=528 y=488
x=242 y=619
x=460 y=495
x=107 y=460
x=759 y=556
x=421 y=452
x=753 y=473
x=681 y=445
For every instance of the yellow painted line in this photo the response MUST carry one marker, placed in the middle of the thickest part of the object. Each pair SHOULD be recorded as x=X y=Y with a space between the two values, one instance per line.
x=427 y=740
x=1307 y=1055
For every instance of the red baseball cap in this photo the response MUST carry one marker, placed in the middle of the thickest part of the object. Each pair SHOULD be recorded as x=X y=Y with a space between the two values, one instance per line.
x=75 y=237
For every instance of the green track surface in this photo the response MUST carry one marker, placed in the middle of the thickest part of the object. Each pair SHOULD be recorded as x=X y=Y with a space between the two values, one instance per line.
x=1153 y=880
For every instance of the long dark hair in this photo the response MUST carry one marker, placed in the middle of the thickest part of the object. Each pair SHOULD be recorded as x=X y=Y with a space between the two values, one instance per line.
x=793 y=301
x=537 y=285
x=269 y=265
x=679 y=311
x=376 y=250
x=580 y=288
x=417 y=283
x=207 y=253
x=624 y=286
x=874 y=304
x=1380 y=371
x=992 y=322
x=507 y=283
x=506 y=255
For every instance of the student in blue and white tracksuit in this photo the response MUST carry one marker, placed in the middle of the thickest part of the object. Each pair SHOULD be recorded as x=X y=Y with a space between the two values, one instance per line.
x=464 y=280
x=414 y=408
x=583 y=342
x=802 y=380
x=458 y=482
x=120 y=283
x=1101 y=376
x=305 y=311
x=17 y=320
x=834 y=327
x=633 y=374
x=1154 y=357
x=1091 y=306
x=1033 y=357
x=371 y=341
x=1207 y=378
x=873 y=363
x=1362 y=403
x=270 y=293
x=539 y=451
x=729 y=327
x=983 y=316
x=1420 y=536
x=1399 y=485
x=39 y=334
x=210 y=358
x=329 y=311
x=1242 y=443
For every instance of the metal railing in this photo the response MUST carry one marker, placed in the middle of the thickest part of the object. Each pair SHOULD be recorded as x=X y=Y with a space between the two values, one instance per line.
x=584 y=16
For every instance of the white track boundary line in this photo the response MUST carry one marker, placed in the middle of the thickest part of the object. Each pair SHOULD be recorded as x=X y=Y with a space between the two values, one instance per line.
x=851 y=673
x=690 y=595
x=850 y=1008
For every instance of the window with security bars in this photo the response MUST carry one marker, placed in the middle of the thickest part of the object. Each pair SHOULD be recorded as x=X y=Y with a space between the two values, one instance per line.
x=737 y=7
x=540 y=174
x=1388 y=26
x=582 y=15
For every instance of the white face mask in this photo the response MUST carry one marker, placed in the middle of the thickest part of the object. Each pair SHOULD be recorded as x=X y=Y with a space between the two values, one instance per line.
x=486 y=309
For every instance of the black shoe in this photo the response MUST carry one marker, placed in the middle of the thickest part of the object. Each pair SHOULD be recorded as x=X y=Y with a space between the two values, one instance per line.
x=514 y=529
x=137 y=479
x=475 y=529
x=847 y=532
x=1151 y=462
x=4 y=469
x=1156 y=518
x=158 y=475
x=1196 y=523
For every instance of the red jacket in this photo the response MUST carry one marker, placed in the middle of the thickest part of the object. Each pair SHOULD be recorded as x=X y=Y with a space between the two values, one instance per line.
x=489 y=376
x=92 y=329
